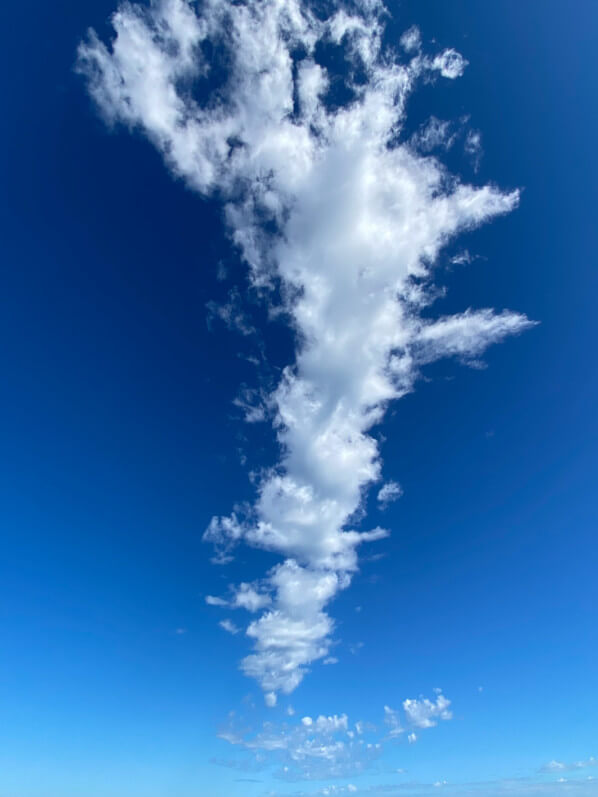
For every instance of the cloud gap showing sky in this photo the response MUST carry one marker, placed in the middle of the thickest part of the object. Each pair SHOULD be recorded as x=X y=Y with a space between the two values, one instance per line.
x=331 y=204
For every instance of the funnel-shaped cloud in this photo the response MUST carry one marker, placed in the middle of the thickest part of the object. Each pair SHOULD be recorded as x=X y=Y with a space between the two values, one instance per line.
x=330 y=203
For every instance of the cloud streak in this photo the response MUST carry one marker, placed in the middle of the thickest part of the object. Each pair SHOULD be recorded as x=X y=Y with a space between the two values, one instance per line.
x=328 y=202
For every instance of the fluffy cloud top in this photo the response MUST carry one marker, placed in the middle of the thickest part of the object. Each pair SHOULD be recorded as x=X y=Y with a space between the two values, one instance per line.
x=329 y=202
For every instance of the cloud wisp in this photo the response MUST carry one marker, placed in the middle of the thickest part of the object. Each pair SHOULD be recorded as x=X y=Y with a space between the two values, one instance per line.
x=316 y=748
x=326 y=200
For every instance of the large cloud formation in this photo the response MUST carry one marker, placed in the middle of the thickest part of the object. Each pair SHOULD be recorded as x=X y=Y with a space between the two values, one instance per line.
x=324 y=197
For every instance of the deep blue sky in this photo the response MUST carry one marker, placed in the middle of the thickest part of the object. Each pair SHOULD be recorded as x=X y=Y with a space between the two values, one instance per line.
x=119 y=439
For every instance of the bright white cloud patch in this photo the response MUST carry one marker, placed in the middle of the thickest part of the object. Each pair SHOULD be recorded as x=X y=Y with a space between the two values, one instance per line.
x=349 y=219
x=450 y=64
x=425 y=713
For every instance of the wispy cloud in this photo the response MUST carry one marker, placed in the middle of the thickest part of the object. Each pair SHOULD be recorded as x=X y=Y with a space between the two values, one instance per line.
x=389 y=492
x=521 y=787
x=229 y=626
x=327 y=746
x=562 y=766
x=330 y=204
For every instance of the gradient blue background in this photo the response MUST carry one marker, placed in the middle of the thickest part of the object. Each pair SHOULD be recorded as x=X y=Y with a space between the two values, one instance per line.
x=119 y=439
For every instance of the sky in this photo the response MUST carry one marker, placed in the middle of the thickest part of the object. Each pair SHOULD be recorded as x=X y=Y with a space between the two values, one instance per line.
x=298 y=411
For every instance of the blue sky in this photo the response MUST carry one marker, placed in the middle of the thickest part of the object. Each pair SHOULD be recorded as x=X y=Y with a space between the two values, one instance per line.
x=133 y=332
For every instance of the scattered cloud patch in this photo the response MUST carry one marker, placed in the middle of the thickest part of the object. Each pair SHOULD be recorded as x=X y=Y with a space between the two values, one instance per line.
x=391 y=718
x=329 y=745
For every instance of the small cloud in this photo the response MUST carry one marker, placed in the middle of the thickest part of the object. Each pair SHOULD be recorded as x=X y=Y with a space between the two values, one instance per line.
x=425 y=713
x=450 y=64
x=270 y=699
x=388 y=493
x=229 y=626
x=231 y=314
x=391 y=718
x=212 y=600
x=330 y=660
x=411 y=40
x=561 y=766
x=462 y=258
x=180 y=631
x=473 y=147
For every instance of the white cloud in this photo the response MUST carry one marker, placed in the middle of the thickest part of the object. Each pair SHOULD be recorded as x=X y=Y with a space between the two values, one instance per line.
x=213 y=600
x=560 y=766
x=473 y=146
x=320 y=747
x=467 y=334
x=246 y=596
x=389 y=492
x=435 y=134
x=391 y=718
x=411 y=40
x=229 y=626
x=310 y=749
x=462 y=258
x=425 y=713
x=360 y=220
x=450 y=64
